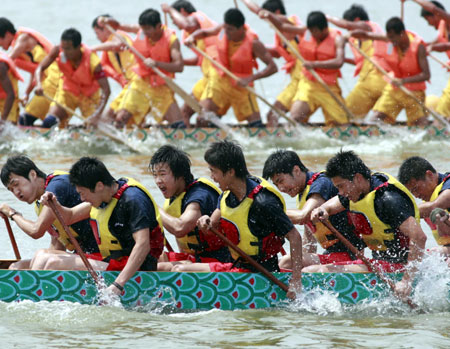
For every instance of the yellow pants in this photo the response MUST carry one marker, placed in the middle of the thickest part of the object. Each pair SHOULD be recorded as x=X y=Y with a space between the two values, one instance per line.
x=224 y=94
x=365 y=94
x=38 y=106
x=140 y=98
x=394 y=100
x=443 y=106
x=313 y=93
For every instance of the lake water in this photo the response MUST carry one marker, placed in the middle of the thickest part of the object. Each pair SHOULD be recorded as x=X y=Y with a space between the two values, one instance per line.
x=318 y=321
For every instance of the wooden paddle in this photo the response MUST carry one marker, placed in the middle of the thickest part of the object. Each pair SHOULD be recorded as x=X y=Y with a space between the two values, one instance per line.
x=445 y=65
x=376 y=269
x=102 y=128
x=435 y=115
x=312 y=71
x=12 y=238
x=250 y=260
x=74 y=242
x=248 y=88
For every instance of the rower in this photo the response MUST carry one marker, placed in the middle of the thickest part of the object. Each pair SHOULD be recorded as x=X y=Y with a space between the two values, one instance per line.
x=82 y=80
x=384 y=214
x=293 y=66
x=251 y=212
x=187 y=199
x=406 y=57
x=117 y=62
x=371 y=81
x=436 y=15
x=123 y=216
x=28 y=48
x=27 y=182
x=323 y=50
x=161 y=49
x=238 y=48
x=425 y=183
x=186 y=17
x=311 y=189
x=9 y=77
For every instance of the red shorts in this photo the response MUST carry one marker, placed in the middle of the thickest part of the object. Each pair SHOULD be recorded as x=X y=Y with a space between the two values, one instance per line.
x=179 y=256
x=226 y=267
x=382 y=265
x=334 y=257
x=114 y=264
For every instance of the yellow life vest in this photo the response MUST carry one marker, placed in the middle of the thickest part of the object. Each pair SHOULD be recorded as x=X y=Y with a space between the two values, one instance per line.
x=441 y=240
x=238 y=218
x=378 y=232
x=173 y=208
x=108 y=244
x=57 y=228
x=323 y=236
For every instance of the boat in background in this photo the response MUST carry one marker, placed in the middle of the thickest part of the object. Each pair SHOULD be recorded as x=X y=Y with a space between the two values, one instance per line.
x=211 y=134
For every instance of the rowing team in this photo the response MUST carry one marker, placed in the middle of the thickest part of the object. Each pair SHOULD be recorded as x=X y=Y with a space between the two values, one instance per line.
x=119 y=226
x=71 y=75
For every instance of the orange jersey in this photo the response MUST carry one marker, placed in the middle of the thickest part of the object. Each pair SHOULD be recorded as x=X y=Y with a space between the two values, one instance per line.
x=311 y=50
x=11 y=69
x=283 y=51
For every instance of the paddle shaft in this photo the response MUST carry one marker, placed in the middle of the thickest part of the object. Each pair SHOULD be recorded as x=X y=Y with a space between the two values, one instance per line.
x=248 y=88
x=12 y=238
x=74 y=241
x=312 y=71
x=379 y=273
x=103 y=132
x=250 y=260
x=445 y=65
x=191 y=101
x=403 y=88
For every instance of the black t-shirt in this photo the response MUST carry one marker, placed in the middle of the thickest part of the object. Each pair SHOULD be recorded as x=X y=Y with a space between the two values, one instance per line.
x=67 y=196
x=323 y=186
x=266 y=215
x=133 y=212
x=393 y=207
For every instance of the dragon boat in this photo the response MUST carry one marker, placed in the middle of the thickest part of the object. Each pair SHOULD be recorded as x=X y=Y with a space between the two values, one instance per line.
x=186 y=291
x=211 y=134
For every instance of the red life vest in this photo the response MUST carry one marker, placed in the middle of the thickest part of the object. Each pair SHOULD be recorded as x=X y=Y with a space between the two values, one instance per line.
x=443 y=34
x=11 y=68
x=242 y=62
x=323 y=51
x=210 y=41
x=282 y=50
x=159 y=51
x=80 y=80
x=408 y=65
x=23 y=61
x=379 y=50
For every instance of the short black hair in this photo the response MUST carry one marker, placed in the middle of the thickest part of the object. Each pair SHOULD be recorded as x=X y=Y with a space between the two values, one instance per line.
x=234 y=17
x=6 y=27
x=414 y=167
x=20 y=165
x=227 y=155
x=95 y=21
x=356 y=11
x=317 y=19
x=87 y=171
x=185 y=5
x=150 y=17
x=274 y=5
x=396 y=25
x=282 y=161
x=73 y=36
x=424 y=13
x=177 y=160
x=346 y=164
